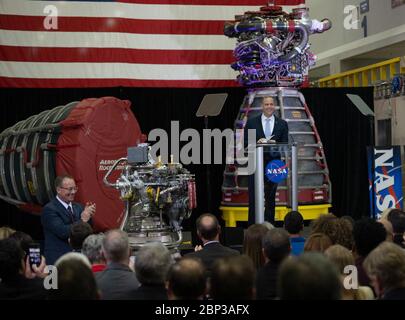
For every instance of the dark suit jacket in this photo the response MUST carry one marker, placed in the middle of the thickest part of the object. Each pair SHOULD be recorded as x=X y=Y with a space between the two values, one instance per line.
x=151 y=292
x=22 y=288
x=266 y=282
x=395 y=294
x=117 y=282
x=56 y=223
x=280 y=131
x=211 y=252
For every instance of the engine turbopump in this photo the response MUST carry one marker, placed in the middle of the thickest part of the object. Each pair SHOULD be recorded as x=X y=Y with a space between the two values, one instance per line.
x=273 y=46
x=157 y=198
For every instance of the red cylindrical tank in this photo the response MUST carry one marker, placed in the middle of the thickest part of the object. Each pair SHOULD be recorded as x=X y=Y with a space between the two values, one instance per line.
x=82 y=139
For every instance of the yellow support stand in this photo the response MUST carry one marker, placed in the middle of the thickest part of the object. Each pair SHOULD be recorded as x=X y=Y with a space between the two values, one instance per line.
x=232 y=215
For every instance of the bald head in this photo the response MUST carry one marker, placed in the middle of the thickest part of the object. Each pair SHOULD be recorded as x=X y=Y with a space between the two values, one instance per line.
x=208 y=227
x=116 y=246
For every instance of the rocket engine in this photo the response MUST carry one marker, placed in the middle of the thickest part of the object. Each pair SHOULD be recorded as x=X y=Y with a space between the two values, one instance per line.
x=273 y=59
x=157 y=198
x=273 y=47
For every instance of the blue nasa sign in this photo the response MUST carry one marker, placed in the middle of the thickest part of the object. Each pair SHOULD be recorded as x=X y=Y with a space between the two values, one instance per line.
x=385 y=179
x=276 y=171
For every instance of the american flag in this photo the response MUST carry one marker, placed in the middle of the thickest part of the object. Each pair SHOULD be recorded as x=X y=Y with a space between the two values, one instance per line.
x=132 y=43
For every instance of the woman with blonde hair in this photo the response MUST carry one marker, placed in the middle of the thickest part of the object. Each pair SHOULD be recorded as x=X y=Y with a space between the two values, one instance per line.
x=342 y=258
x=5 y=232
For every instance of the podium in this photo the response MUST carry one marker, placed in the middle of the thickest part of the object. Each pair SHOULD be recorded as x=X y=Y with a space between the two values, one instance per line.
x=289 y=153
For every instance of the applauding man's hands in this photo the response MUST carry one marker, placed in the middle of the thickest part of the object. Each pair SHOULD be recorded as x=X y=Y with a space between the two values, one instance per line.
x=88 y=211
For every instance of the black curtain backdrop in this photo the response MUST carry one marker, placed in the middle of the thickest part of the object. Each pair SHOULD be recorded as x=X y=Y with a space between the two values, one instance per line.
x=345 y=134
x=343 y=130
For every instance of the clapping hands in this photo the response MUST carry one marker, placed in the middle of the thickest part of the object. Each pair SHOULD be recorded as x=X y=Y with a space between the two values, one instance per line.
x=88 y=211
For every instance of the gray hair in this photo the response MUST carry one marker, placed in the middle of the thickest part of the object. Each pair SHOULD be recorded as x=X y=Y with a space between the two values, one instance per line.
x=72 y=256
x=268 y=225
x=116 y=245
x=276 y=245
x=92 y=247
x=387 y=263
x=152 y=263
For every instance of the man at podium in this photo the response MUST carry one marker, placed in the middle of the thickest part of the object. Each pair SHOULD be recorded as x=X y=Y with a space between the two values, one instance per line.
x=269 y=129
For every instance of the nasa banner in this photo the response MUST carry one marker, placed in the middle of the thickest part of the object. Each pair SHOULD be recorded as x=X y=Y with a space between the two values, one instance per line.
x=385 y=179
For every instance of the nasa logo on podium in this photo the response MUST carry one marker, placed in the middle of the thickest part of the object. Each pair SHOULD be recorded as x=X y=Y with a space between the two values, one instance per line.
x=276 y=171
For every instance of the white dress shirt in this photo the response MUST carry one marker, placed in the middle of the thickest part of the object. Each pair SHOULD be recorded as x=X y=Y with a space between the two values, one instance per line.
x=64 y=203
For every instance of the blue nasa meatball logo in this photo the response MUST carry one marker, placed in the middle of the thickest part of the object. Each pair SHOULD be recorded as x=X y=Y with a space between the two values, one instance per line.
x=276 y=171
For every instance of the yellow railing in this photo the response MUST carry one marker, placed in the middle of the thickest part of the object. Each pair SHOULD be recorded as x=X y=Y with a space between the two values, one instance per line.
x=364 y=77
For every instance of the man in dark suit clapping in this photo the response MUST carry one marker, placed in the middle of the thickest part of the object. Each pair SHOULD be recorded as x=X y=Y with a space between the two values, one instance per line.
x=269 y=129
x=208 y=230
x=58 y=216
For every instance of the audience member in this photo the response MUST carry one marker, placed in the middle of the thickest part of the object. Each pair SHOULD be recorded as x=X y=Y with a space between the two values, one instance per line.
x=388 y=228
x=397 y=219
x=152 y=263
x=319 y=225
x=342 y=258
x=252 y=244
x=187 y=280
x=233 y=278
x=92 y=249
x=385 y=213
x=350 y=219
x=264 y=271
x=6 y=232
x=368 y=234
x=79 y=231
x=338 y=230
x=276 y=248
x=310 y=276
x=75 y=279
x=268 y=225
x=23 y=239
x=385 y=266
x=15 y=283
x=208 y=230
x=117 y=281
x=294 y=224
x=317 y=242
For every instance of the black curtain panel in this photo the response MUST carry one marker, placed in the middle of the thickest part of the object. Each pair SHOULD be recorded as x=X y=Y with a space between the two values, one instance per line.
x=345 y=134
x=343 y=130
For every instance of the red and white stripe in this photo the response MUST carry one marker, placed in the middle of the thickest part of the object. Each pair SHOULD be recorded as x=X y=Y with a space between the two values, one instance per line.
x=149 y=43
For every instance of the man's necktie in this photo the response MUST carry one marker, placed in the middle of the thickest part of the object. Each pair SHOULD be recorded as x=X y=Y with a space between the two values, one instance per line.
x=71 y=215
x=267 y=130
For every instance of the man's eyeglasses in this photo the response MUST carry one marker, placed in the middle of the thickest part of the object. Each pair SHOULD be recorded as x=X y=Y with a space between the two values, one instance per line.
x=71 y=189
